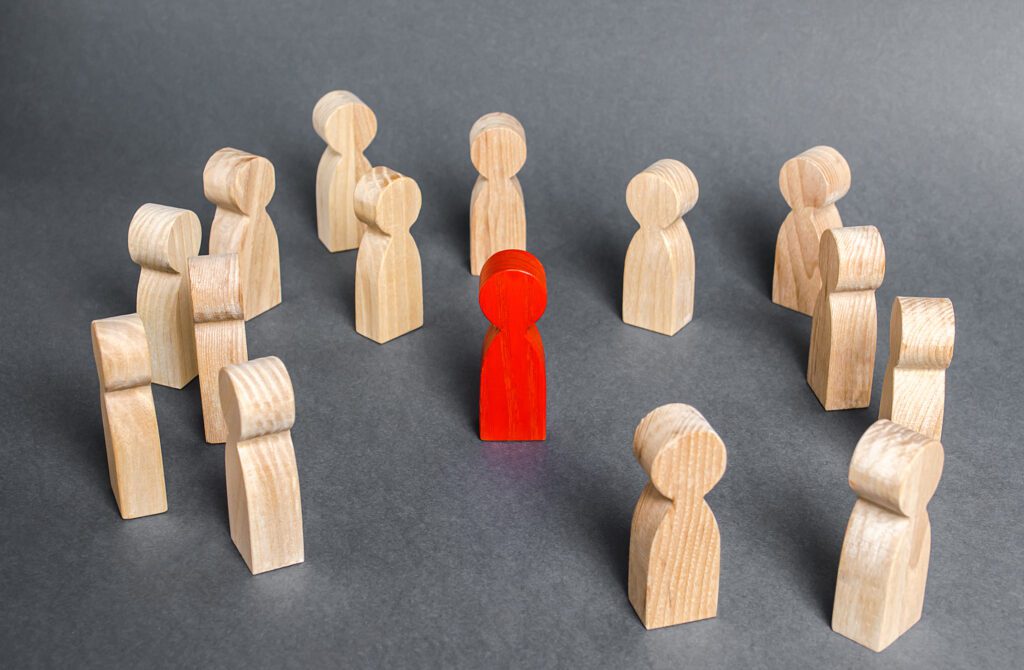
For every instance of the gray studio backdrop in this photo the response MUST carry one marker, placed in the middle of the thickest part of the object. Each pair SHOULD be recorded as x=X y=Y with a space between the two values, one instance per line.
x=424 y=546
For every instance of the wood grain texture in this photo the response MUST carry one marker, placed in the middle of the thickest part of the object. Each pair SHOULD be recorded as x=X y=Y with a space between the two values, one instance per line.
x=160 y=241
x=497 y=212
x=513 y=380
x=674 y=542
x=130 y=429
x=811 y=183
x=658 y=280
x=389 y=278
x=264 y=508
x=844 y=329
x=883 y=568
x=348 y=126
x=241 y=185
x=219 y=327
x=921 y=334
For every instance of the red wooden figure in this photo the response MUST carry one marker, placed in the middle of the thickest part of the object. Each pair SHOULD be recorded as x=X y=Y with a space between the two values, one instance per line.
x=513 y=388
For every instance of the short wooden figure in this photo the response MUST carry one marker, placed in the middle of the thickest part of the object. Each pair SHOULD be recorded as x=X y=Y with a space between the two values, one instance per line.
x=811 y=184
x=674 y=543
x=264 y=509
x=241 y=185
x=160 y=241
x=513 y=384
x=389 y=278
x=921 y=333
x=219 y=331
x=883 y=568
x=657 y=287
x=129 y=416
x=348 y=126
x=845 y=323
x=497 y=214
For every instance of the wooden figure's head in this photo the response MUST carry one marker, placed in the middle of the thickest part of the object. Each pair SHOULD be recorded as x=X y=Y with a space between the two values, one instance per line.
x=818 y=177
x=513 y=289
x=921 y=333
x=344 y=121
x=122 y=352
x=852 y=259
x=164 y=238
x=679 y=449
x=215 y=287
x=896 y=467
x=257 y=398
x=497 y=145
x=661 y=194
x=239 y=181
x=387 y=200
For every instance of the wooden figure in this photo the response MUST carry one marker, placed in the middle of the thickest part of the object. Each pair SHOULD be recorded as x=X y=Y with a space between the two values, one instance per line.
x=264 y=509
x=219 y=331
x=674 y=543
x=883 y=568
x=845 y=323
x=241 y=185
x=921 y=333
x=657 y=286
x=497 y=214
x=513 y=385
x=389 y=279
x=160 y=240
x=129 y=416
x=811 y=184
x=348 y=126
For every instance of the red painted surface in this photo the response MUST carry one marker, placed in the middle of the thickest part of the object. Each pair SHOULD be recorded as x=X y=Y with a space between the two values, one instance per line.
x=513 y=387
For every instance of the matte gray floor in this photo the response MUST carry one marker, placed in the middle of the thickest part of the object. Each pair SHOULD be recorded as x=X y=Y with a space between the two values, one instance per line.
x=424 y=546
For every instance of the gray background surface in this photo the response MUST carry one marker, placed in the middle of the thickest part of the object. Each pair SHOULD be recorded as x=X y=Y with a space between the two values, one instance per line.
x=425 y=546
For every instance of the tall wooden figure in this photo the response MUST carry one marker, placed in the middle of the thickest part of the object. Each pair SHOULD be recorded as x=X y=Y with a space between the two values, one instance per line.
x=129 y=416
x=348 y=126
x=241 y=185
x=674 y=543
x=264 y=509
x=811 y=184
x=497 y=214
x=160 y=240
x=389 y=278
x=657 y=286
x=921 y=333
x=844 y=329
x=883 y=568
x=219 y=331
x=513 y=383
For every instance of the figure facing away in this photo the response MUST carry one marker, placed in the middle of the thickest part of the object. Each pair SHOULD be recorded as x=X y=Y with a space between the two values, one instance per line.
x=497 y=214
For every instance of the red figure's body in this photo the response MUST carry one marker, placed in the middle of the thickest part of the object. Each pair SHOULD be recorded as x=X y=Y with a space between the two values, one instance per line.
x=513 y=388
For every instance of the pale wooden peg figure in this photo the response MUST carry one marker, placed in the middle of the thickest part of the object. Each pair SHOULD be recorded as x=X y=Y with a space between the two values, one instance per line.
x=497 y=213
x=883 y=567
x=811 y=183
x=674 y=542
x=129 y=415
x=389 y=279
x=844 y=329
x=264 y=509
x=921 y=333
x=160 y=241
x=219 y=331
x=241 y=184
x=658 y=281
x=348 y=126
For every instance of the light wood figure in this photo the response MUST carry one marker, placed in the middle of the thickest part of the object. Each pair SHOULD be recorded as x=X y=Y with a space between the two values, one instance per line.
x=657 y=287
x=389 y=279
x=844 y=329
x=674 y=543
x=883 y=568
x=241 y=185
x=160 y=241
x=264 y=509
x=921 y=333
x=129 y=416
x=497 y=214
x=219 y=331
x=348 y=126
x=811 y=183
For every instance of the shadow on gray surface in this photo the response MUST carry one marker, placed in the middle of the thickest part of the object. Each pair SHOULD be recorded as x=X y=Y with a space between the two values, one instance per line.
x=748 y=231
x=601 y=258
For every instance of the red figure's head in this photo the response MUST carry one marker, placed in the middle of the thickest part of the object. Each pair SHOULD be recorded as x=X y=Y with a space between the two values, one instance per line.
x=513 y=289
